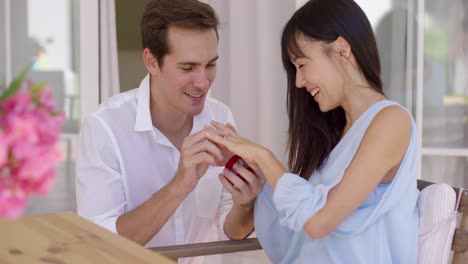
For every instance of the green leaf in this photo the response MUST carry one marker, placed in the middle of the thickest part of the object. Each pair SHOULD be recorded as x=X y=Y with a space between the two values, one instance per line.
x=16 y=84
x=38 y=87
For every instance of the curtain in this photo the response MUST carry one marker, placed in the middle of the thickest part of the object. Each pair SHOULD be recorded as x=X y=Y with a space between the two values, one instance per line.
x=251 y=79
x=109 y=66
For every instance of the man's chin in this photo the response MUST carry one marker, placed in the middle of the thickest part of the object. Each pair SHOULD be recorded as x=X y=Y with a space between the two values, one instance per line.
x=195 y=111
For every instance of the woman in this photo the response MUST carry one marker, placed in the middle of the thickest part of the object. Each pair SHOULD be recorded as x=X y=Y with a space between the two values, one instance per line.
x=351 y=194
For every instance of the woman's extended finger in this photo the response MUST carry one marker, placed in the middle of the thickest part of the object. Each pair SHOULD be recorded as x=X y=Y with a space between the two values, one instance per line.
x=229 y=128
x=216 y=138
x=216 y=131
x=229 y=125
x=230 y=143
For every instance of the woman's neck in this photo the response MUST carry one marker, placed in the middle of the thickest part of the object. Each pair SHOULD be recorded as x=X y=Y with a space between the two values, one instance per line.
x=356 y=103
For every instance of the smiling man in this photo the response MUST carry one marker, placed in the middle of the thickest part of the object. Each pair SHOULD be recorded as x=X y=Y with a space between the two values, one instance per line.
x=145 y=169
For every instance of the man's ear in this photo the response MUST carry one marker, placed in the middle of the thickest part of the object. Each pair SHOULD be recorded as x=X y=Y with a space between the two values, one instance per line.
x=151 y=63
x=343 y=48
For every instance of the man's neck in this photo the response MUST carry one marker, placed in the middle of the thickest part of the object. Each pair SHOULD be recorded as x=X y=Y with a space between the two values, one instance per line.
x=176 y=126
x=171 y=124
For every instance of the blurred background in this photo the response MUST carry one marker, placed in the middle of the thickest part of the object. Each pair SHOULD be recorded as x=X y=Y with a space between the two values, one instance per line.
x=89 y=50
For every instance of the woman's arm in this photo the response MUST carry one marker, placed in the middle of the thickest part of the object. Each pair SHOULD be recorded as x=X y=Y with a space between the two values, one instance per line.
x=380 y=152
x=377 y=160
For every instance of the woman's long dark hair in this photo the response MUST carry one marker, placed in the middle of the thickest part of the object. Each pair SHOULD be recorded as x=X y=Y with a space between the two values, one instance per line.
x=313 y=134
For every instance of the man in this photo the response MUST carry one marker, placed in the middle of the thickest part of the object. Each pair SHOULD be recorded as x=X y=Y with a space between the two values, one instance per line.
x=145 y=169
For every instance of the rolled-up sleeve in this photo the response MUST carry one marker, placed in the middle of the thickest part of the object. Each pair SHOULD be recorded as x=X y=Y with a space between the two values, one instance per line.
x=99 y=187
x=225 y=206
x=297 y=200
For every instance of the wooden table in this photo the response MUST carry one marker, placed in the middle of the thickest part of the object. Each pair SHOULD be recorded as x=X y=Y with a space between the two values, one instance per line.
x=65 y=238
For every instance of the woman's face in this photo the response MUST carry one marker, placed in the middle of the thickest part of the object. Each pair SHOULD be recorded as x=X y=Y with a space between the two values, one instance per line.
x=319 y=72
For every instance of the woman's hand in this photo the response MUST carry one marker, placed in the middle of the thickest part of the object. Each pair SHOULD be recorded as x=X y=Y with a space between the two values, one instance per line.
x=259 y=158
x=236 y=144
x=224 y=132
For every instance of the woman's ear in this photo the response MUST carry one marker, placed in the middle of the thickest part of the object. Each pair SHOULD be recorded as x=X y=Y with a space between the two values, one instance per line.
x=343 y=48
x=151 y=63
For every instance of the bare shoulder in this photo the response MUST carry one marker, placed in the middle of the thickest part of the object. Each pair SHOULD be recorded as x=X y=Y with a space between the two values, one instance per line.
x=388 y=136
x=392 y=120
x=384 y=145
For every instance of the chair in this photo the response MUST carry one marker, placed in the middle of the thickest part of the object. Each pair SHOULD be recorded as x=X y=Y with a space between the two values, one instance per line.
x=459 y=243
x=459 y=240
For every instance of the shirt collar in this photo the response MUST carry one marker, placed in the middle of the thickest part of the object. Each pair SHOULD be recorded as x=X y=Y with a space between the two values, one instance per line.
x=143 y=116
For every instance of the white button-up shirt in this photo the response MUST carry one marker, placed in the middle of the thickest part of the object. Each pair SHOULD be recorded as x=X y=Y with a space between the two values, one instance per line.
x=122 y=160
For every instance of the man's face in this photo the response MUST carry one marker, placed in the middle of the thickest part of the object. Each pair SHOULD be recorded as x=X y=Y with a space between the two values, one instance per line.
x=183 y=81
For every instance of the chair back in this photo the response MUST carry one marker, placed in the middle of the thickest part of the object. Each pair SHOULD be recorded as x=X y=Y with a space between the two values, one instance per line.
x=459 y=239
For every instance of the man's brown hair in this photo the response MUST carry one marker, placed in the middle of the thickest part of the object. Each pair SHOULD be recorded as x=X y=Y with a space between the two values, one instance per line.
x=159 y=15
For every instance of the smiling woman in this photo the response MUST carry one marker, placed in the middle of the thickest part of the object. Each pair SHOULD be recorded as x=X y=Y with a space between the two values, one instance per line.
x=350 y=167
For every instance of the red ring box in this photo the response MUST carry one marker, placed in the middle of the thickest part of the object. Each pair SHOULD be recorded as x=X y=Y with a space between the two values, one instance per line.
x=236 y=159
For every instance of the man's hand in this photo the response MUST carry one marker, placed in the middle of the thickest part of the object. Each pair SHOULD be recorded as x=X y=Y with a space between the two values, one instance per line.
x=196 y=154
x=243 y=191
x=239 y=221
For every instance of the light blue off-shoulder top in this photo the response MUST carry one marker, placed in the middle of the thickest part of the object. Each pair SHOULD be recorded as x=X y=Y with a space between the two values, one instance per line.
x=384 y=229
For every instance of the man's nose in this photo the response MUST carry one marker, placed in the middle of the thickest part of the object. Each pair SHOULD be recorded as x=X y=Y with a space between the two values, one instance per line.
x=201 y=80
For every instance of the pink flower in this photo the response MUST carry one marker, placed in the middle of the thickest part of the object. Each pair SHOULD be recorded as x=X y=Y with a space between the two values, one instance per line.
x=29 y=131
x=21 y=127
x=19 y=102
x=38 y=163
x=46 y=99
x=45 y=183
x=12 y=199
x=3 y=148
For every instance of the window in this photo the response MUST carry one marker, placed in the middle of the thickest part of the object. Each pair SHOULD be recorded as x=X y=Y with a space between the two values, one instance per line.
x=422 y=45
x=45 y=33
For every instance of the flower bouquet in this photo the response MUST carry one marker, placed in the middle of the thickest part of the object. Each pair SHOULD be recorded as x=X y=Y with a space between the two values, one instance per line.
x=29 y=132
